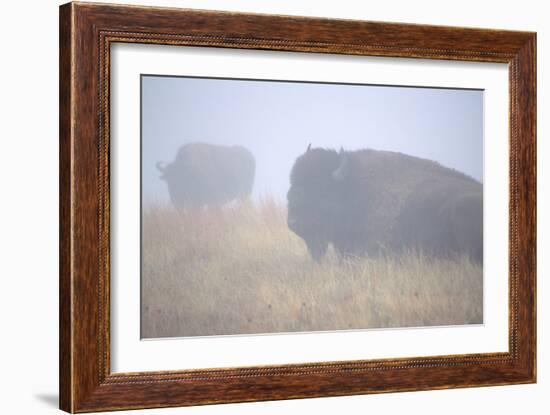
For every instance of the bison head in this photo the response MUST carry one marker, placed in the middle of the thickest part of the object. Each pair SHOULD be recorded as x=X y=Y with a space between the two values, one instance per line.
x=317 y=198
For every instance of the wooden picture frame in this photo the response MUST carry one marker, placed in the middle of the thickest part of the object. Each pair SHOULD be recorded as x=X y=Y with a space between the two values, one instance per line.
x=86 y=33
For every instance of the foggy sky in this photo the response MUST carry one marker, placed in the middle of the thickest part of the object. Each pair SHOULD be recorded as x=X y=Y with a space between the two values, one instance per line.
x=277 y=120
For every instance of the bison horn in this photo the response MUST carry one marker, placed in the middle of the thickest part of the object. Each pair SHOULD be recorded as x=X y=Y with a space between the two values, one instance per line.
x=308 y=147
x=161 y=167
x=342 y=170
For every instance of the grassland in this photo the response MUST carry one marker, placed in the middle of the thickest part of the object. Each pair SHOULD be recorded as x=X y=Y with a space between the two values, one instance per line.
x=239 y=270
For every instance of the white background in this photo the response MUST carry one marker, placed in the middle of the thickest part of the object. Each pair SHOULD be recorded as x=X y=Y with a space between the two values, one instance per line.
x=29 y=209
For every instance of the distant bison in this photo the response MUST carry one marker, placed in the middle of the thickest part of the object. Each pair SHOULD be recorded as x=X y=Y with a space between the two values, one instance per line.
x=207 y=174
x=367 y=202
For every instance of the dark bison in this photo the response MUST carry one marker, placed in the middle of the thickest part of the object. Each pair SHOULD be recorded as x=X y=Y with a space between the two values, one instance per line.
x=367 y=202
x=207 y=174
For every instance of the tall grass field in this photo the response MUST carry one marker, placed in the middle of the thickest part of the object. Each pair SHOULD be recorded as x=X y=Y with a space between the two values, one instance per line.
x=239 y=270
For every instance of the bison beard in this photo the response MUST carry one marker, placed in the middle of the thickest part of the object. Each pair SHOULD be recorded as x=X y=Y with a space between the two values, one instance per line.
x=370 y=202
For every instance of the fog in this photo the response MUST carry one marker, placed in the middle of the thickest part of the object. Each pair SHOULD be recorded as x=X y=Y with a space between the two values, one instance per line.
x=277 y=120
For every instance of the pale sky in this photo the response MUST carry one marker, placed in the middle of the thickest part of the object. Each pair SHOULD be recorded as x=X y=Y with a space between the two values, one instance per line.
x=276 y=120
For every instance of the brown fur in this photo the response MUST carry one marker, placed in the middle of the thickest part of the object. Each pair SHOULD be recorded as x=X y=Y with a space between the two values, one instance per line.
x=207 y=174
x=381 y=200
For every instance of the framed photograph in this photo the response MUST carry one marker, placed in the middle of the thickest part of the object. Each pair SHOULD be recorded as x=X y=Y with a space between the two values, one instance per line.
x=258 y=207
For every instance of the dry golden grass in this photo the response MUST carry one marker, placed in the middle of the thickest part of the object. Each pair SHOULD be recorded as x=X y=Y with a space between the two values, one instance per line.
x=239 y=270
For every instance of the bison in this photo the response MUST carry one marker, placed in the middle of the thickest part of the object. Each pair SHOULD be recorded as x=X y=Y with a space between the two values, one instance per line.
x=206 y=174
x=369 y=202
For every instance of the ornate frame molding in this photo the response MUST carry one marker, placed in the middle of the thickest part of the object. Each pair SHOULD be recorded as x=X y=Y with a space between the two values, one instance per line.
x=86 y=33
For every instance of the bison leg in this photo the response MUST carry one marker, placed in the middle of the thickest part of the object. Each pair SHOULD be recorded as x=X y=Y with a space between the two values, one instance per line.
x=317 y=249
